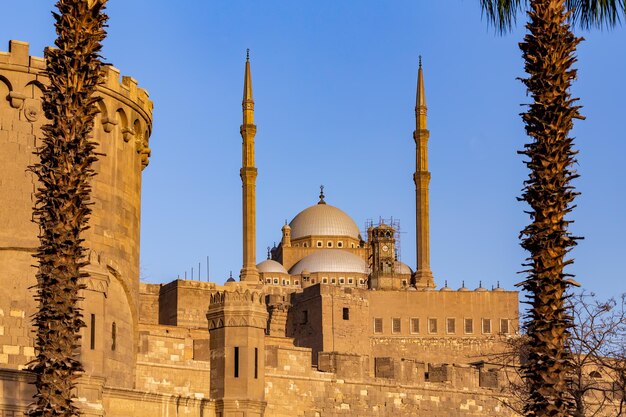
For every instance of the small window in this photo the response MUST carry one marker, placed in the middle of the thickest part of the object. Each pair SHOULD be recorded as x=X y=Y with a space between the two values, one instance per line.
x=268 y=280
x=92 y=329
x=504 y=326
x=340 y=244
x=236 y=362
x=362 y=281
x=396 y=326
x=404 y=282
x=297 y=245
x=486 y=325
x=432 y=325
x=305 y=244
x=312 y=280
x=325 y=280
x=284 y=282
x=305 y=317
x=333 y=281
x=469 y=326
x=451 y=326
x=296 y=282
x=350 y=281
x=342 y=280
x=329 y=244
x=352 y=245
x=113 y=336
x=276 y=281
x=378 y=325
x=319 y=244
x=415 y=325
x=256 y=363
x=346 y=313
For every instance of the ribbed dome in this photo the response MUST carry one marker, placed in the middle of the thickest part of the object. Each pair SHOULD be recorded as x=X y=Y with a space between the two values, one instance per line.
x=323 y=220
x=271 y=266
x=330 y=260
x=402 y=268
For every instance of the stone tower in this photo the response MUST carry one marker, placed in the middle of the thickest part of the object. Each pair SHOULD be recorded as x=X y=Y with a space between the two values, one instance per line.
x=248 y=173
x=237 y=320
x=383 y=245
x=421 y=177
x=111 y=295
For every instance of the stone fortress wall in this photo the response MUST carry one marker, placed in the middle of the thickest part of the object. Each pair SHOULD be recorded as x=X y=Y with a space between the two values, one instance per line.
x=122 y=129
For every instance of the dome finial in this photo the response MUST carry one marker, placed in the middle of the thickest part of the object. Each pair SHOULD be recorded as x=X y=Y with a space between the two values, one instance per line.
x=268 y=252
x=321 y=195
x=248 y=55
x=420 y=61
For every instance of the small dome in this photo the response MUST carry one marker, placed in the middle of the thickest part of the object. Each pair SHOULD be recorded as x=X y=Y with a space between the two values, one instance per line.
x=271 y=266
x=402 y=268
x=330 y=260
x=323 y=220
x=231 y=279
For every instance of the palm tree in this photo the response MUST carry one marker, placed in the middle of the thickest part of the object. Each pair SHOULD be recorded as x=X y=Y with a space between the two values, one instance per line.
x=62 y=201
x=549 y=50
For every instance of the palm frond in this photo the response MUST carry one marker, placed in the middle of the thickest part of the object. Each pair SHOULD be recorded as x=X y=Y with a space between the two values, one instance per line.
x=502 y=13
x=596 y=13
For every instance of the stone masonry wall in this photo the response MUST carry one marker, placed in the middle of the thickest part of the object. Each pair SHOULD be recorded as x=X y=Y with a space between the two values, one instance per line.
x=295 y=390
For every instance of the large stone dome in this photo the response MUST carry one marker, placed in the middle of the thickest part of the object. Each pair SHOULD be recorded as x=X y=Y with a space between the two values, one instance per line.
x=330 y=260
x=323 y=220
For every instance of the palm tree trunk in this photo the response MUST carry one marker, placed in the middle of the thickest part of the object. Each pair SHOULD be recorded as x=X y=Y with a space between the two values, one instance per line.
x=548 y=50
x=63 y=198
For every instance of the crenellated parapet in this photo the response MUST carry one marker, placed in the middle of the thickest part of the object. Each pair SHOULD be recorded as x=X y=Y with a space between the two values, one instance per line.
x=125 y=111
x=238 y=307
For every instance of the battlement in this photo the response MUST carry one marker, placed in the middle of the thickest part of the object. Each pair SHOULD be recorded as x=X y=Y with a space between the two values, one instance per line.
x=237 y=297
x=237 y=307
x=18 y=58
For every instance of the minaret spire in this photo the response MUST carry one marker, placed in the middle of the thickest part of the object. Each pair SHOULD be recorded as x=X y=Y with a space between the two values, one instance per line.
x=248 y=173
x=423 y=274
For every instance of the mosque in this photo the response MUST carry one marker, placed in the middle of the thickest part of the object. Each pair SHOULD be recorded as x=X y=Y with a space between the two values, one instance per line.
x=331 y=324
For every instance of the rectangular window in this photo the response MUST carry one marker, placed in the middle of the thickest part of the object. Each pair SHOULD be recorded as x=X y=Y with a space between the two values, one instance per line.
x=236 y=361
x=486 y=325
x=256 y=363
x=113 y=336
x=92 y=330
x=504 y=326
x=305 y=317
x=396 y=326
x=469 y=326
x=415 y=325
x=432 y=325
x=378 y=325
x=346 y=313
x=451 y=326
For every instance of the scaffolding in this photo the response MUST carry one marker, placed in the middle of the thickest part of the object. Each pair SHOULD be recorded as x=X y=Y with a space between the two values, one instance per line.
x=395 y=223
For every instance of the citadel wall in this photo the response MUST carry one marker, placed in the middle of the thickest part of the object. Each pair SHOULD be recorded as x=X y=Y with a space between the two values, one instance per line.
x=398 y=323
x=121 y=130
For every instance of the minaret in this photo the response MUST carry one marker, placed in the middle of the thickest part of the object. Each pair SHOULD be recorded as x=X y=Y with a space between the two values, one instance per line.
x=248 y=173
x=423 y=274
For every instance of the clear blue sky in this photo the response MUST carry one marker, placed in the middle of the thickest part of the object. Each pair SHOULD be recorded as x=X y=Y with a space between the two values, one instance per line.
x=334 y=85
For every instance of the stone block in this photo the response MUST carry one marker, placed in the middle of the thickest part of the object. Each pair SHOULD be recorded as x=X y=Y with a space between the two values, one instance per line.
x=488 y=378
x=11 y=349
x=384 y=367
x=439 y=373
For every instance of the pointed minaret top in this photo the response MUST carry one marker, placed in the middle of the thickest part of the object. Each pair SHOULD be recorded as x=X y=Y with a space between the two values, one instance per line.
x=421 y=94
x=248 y=101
